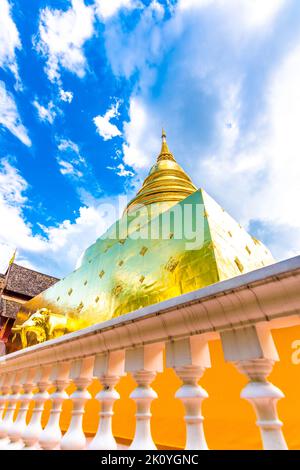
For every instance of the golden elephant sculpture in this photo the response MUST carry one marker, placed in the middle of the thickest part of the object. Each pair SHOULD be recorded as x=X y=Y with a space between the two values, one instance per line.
x=43 y=324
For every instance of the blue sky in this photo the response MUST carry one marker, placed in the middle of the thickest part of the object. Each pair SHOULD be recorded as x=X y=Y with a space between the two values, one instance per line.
x=85 y=87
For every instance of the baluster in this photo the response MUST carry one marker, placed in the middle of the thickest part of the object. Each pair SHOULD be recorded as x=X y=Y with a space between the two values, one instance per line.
x=81 y=375
x=253 y=351
x=27 y=382
x=108 y=368
x=263 y=396
x=32 y=432
x=4 y=400
x=11 y=407
x=192 y=395
x=190 y=357
x=51 y=435
x=144 y=362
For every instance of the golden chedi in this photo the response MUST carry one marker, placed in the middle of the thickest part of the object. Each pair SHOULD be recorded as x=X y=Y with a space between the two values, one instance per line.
x=172 y=239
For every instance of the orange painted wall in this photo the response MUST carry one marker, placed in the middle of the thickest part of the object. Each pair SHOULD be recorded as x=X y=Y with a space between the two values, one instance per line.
x=229 y=420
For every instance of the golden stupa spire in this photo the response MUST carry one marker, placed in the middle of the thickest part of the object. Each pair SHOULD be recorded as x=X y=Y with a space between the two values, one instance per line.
x=165 y=153
x=166 y=184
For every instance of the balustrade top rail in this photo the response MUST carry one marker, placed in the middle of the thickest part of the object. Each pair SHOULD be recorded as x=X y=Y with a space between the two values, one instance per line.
x=268 y=294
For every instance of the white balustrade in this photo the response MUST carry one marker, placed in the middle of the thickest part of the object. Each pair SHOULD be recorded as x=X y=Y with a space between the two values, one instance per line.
x=16 y=431
x=190 y=357
x=253 y=351
x=13 y=398
x=108 y=368
x=5 y=388
x=32 y=431
x=81 y=375
x=51 y=435
x=241 y=312
x=144 y=363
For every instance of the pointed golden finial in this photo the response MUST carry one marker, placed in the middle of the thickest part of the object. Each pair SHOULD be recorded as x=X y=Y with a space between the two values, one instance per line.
x=165 y=153
x=166 y=182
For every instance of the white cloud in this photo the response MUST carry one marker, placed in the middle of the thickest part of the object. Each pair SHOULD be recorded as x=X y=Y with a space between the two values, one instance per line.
x=251 y=13
x=14 y=232
x=190 y=4
x=104 y=127
x=73 y=165
x=6 y=253
x=231 y=122
x=61 y=38
x=70 y=161
x=157 y=8
x=258 y=13
x=266 y=168
x=107 y=8
x=68 y=168
x=10 y=118
x=136 y=154
x=45 y=252
x=9 y=39
x=66 y=96
x=67 y=241
x=261 y=163
x=121 y=170
x=67 y=144
x=64 y=242
x=12 y=185
x=45 y=113
x=127 y=52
